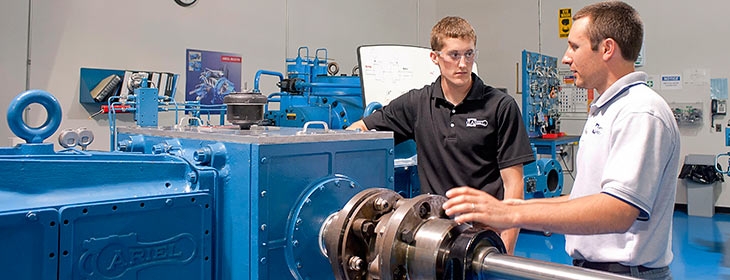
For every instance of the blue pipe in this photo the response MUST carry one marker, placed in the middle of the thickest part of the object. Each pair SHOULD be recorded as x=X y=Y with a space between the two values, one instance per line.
x=330 y=85
x=258 y=76
x=271 y=99
x=371 y=108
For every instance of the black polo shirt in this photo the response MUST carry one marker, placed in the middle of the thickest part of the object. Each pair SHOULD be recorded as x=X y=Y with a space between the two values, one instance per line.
x=462 y=145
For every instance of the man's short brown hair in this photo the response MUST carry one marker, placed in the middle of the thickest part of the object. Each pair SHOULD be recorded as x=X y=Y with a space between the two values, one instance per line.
x=451 y=27
x=616 y=20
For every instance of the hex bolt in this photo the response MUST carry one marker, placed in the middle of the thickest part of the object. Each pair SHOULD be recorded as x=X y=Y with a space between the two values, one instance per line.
x=381 y=204
x=263 y=260
x=295 y=243
x=168 y=202
x=124 y=145
x=160 y=148
x=352 y=185
x=192 y=177
x=424 y=209
x=406 y=236
x=355 y=263
x=299 y=265
x=202 y=155
x=299 y=221
x=263 y=227
x=263 y=193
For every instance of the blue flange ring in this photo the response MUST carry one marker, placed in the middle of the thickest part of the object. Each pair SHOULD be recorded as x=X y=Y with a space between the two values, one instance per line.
x=22 y=130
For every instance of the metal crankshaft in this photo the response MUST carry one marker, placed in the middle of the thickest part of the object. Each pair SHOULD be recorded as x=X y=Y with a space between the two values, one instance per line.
x=381 y=235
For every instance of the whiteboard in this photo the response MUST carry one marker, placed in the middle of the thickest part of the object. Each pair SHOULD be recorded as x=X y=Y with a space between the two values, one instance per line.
x=388 y=71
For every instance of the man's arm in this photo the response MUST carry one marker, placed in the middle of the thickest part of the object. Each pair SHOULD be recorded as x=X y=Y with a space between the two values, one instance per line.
x=358 y=124
x=513 y=189
x=594 y=214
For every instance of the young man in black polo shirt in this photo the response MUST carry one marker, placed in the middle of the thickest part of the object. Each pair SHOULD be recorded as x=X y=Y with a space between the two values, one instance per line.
x=466 y=133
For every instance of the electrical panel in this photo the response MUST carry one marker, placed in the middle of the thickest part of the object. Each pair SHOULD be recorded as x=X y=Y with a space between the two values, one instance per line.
x=540 y=98
x=687 y=113
x=572 y=98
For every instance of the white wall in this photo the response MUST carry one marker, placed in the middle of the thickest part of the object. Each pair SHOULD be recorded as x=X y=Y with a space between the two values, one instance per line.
x=13 y=31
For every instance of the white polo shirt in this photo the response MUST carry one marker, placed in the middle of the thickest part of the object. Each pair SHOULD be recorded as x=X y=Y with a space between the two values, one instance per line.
x=629 y=150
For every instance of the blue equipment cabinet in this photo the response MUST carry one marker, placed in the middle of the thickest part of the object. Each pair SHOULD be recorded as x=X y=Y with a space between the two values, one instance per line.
x=277 y=187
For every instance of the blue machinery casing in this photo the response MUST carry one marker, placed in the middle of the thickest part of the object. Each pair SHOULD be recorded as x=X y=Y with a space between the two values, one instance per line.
x=197 y=203
x=543 y=178
x=308 y=93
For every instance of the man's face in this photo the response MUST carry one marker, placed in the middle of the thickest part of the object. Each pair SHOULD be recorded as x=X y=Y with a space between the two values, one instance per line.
x=584 y=62
x=455 y=61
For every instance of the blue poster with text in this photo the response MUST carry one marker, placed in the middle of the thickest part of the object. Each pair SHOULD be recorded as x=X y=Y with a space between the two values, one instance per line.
x=211 y=76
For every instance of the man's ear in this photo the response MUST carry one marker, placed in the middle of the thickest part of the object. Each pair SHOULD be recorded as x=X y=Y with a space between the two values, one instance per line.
x=434 y=58
x=609 y=48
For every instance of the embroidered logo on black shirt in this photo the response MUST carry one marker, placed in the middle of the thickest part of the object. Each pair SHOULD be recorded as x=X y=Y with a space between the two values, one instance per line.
x=473 y=122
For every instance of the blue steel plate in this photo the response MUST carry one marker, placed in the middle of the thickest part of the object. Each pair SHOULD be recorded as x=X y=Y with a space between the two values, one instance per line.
x=303 y=249
x=151 y=238
x=29 y=244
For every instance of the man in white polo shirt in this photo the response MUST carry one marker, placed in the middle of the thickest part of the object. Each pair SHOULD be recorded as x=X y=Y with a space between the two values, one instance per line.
x=618 y=217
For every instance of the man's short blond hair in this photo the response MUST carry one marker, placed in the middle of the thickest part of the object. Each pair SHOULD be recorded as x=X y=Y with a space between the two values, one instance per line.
x=451 y=27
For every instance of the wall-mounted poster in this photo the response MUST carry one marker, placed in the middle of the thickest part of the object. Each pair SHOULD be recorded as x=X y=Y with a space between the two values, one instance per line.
x=211 y=75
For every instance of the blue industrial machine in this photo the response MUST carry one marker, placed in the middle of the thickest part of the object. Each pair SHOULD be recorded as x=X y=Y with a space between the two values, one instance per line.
x=540 y=87
x=179 y=203
x=543 y=178
x=308 y=93
x=717 y=158
x=146 y=102
x=540 y=103
x=312 y=91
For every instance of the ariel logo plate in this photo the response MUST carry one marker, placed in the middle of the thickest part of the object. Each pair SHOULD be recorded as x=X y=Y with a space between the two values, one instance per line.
x=115 y=255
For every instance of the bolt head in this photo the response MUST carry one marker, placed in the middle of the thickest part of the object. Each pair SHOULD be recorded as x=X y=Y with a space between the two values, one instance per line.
x=355 y=263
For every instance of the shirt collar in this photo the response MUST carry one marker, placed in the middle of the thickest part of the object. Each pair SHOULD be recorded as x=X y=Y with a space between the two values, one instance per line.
x=476 y=92
x=619 y=87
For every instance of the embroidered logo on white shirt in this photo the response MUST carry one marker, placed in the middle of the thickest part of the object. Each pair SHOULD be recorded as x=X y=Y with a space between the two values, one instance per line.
x=597 y=129
x=473 y=122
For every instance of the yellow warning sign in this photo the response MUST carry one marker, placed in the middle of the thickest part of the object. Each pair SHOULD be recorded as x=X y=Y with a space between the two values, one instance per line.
x=565 y=22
